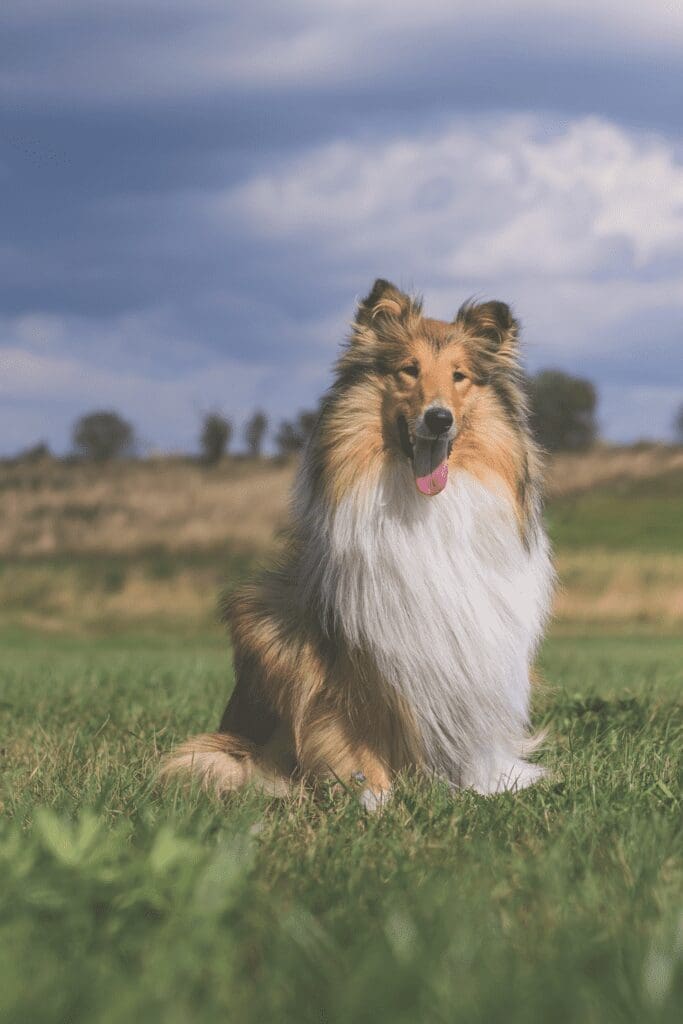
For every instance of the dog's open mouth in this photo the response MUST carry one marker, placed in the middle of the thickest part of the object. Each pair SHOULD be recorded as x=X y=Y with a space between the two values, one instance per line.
x=429 y=458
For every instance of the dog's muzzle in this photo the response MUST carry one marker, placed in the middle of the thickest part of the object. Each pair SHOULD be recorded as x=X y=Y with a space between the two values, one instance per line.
x=429 y=447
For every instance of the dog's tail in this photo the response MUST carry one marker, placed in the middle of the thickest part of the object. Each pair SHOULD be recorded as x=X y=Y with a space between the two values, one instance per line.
x=222 y=762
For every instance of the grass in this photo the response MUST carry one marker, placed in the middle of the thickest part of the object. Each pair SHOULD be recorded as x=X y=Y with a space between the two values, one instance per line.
x=120 y=903
x=619 y=552
x=132 y=507
x=627 y=515
x=91 y=548
x=117 y=903
x=88 y=592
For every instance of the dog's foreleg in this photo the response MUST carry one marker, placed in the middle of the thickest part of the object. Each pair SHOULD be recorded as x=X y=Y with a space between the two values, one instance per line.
x=330 y=747
x=373 y=801
x=500 y=773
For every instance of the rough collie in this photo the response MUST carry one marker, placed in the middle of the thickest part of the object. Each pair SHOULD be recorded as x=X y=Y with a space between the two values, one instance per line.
x=399 y=628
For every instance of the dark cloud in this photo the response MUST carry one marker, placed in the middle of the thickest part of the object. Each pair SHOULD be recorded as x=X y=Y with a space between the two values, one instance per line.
x=128 y=131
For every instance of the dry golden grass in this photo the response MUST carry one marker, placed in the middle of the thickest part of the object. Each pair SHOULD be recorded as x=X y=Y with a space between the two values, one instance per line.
x=568 y=474
x=615 y=587
x=126 y=507
x=58 y=599
x=54 y=508
x=608 y=588
x=79 y=541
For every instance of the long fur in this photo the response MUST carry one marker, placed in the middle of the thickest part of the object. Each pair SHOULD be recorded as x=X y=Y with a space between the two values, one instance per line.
x=399 y=629
x=221 y=762
x=451 y=604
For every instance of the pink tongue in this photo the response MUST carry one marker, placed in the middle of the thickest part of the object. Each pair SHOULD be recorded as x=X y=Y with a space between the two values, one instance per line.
x=435 y=481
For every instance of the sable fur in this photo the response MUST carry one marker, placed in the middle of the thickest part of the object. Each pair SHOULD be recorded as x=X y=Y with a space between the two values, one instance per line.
x=398 y=630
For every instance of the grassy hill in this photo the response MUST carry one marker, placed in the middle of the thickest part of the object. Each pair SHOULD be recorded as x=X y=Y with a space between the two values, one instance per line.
x=119 y=902
x=154 y=542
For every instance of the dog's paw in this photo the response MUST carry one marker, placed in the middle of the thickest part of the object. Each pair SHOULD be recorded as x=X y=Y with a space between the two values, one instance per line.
x=373 y=801
x=507 y=776
x=519 y=775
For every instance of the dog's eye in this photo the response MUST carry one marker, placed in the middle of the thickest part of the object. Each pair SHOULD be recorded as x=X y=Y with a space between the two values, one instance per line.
x=411 y=370
x=458 y=376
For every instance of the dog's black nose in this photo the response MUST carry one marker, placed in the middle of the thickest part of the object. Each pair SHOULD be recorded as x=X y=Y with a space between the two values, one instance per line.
x=438 y=420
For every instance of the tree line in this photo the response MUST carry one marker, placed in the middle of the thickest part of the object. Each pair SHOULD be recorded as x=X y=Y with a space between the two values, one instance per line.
x=563 y=415
x=103 y=435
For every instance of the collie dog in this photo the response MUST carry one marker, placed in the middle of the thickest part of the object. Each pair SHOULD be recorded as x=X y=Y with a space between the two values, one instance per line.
x=398 y=630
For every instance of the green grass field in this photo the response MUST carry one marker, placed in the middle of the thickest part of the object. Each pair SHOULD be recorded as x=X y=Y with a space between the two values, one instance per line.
x=627 y=515
x=120 y=904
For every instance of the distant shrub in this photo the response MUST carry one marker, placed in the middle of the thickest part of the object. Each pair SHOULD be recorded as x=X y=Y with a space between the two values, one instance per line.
x=104 y=435
x=215 y=437
x=254 y=433
x=292 y=437
x=36 y=453
x=563 y=411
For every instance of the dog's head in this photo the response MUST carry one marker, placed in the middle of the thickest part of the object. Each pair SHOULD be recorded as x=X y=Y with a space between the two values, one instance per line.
x=437 y=379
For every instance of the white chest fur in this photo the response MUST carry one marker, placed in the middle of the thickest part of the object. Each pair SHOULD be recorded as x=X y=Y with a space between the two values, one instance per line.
x=449 y=602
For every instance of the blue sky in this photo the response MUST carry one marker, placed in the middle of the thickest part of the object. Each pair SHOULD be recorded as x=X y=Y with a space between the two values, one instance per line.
x=195 y=195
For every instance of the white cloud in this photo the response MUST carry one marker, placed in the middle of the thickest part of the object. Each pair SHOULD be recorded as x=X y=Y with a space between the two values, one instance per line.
x=580 y=227
x=483 y=198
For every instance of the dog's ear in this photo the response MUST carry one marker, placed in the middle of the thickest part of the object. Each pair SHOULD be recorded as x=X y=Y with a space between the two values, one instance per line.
x=385 y=302
x=494 y=327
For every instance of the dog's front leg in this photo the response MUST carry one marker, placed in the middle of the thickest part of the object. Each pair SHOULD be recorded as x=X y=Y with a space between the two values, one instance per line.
x=500 y=771
x=331 y=746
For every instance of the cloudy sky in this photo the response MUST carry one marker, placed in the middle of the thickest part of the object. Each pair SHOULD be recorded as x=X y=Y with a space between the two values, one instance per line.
x=194 y=195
